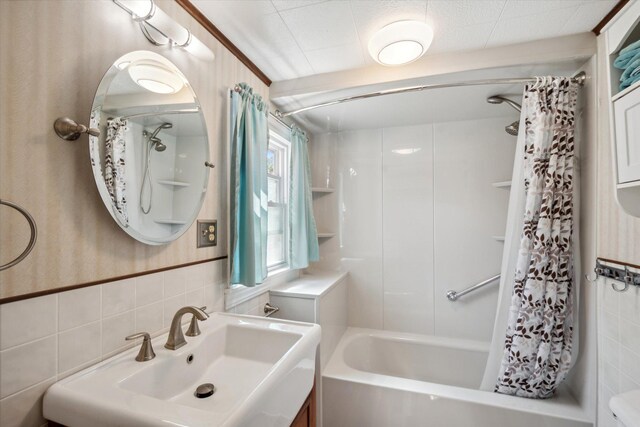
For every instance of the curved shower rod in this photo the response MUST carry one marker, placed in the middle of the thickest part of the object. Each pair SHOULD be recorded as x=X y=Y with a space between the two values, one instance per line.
x=578 y=78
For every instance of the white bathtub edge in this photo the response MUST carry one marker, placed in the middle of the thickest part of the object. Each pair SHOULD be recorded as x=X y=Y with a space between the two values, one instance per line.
x=562 y=406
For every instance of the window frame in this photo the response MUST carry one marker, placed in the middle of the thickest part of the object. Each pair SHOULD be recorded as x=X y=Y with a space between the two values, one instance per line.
x=283 y=146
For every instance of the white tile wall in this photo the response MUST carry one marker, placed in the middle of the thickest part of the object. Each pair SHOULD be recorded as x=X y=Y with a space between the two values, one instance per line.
x=618 y=345
x=45 y=339
x=407 y=228
x=360 y=208
x=468 y=157
x=412 y=226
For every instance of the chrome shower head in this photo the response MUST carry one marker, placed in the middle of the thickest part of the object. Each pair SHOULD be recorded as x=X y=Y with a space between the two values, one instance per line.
x=499 y=99
x=157 y=144
x=165 y=125
x=513 y=128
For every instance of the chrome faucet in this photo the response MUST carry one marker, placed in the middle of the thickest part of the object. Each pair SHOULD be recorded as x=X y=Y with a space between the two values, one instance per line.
x=176 y=337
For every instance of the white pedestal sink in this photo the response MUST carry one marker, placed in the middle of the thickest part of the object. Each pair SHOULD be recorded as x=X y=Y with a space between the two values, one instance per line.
x=262 y=370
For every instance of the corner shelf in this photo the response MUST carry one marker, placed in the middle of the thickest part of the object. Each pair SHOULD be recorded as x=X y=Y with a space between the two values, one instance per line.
x=502 y=184
x=174 y=183
x=322 y=190
x=325 y=235
x=169 y=221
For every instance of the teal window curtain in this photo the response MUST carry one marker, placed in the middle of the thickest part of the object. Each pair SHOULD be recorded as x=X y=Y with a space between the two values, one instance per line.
x=303 y=235
x=248 y=186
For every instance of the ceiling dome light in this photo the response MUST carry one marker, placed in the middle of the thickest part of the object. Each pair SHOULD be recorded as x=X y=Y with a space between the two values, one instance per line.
x=400 y=42
x=155 y=78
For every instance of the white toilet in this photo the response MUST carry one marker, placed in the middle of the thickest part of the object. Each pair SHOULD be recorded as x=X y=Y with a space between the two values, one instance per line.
x=626 y=408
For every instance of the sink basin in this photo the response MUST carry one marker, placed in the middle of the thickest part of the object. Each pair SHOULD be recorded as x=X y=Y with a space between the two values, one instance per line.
x=262 y=370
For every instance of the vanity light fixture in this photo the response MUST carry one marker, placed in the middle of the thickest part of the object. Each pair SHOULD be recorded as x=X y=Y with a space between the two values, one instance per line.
x=155 y=78
x=161 y=30
x=400 y=42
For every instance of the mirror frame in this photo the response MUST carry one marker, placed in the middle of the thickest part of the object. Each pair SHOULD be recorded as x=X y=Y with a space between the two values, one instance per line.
x=95 y=144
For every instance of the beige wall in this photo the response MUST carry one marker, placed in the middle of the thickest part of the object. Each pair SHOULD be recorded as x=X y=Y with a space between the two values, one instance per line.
x=618 y=238
x=52 y=57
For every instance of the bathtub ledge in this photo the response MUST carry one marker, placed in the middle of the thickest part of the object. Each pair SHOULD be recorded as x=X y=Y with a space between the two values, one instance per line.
x=310 y=286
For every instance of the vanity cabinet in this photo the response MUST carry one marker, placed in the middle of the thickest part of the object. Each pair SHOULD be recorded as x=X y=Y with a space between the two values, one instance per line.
x=307 y=415
x=621 y=106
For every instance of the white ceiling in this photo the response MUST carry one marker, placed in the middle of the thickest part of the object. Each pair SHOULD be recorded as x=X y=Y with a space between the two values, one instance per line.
x=288 y=39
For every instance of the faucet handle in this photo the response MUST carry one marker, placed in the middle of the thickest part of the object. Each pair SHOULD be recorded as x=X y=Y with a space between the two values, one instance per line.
x=146 y=350
x=194 y=329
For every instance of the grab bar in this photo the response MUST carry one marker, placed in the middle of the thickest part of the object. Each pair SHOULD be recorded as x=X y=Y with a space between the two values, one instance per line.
x=453 y=295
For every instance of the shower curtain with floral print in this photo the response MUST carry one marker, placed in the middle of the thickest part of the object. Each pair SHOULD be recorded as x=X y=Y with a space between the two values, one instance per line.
x=539 y=337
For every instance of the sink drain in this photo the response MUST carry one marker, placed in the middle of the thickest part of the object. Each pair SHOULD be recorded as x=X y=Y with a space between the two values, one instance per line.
x=205 y=390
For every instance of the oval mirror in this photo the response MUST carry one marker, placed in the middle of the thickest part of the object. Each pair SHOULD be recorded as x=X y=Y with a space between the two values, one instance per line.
x=149 y=160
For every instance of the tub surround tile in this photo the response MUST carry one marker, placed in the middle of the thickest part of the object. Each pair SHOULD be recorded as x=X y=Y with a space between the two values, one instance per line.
x=359 y=168
x=79 y=307
x=28 y=320
x=26 y=365
x=118 y=297
x=407 y=227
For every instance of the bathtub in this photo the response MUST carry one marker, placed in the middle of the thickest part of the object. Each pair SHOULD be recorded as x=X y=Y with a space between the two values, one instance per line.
x=390 y=379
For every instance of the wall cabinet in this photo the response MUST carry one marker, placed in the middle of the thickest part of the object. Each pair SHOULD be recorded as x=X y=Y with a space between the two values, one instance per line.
x=626 y=112
x=622 y=106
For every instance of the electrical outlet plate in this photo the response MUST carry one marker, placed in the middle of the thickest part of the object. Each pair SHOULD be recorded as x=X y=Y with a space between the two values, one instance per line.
x=207 y=233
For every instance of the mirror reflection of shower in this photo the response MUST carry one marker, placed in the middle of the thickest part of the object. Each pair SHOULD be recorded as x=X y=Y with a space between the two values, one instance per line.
x=513 y=128
x=153 y=142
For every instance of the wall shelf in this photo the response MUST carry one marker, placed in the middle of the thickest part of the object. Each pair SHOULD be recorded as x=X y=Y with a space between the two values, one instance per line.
x=169 y=221
x=502 y=184
x=325 y=235
x=629 y=184
x=321 y=190
x=174 y=183
x=498 y=238
x=626 y=91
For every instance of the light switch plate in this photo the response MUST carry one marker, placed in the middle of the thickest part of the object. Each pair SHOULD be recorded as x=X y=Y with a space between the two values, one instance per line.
x=207 y=233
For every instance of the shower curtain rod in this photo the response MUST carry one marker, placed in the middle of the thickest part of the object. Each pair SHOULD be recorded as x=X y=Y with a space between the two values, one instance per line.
x=578 y=78
x=275 y=116
x=160 y=113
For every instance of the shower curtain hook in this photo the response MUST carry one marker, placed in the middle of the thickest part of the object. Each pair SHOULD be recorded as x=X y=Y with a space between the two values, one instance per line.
x=591 y=277
x=623 y=289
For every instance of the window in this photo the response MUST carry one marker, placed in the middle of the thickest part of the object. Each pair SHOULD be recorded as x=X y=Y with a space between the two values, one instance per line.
x=277 y=186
